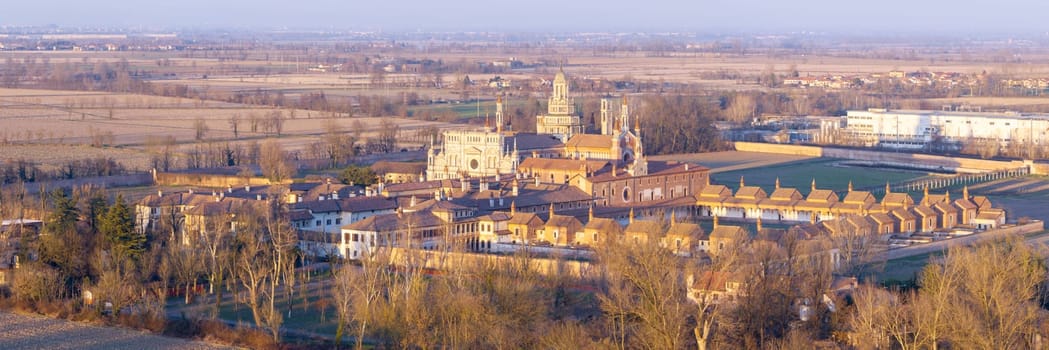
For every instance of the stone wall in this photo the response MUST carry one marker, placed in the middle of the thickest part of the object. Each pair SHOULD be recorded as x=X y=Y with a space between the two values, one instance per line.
x=208 y=180
x=446 y=261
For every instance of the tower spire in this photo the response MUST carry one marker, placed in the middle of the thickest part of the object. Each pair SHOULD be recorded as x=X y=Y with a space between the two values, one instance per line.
x=499 y=114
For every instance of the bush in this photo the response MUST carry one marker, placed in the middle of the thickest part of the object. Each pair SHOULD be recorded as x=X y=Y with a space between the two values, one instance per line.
x=35 y=284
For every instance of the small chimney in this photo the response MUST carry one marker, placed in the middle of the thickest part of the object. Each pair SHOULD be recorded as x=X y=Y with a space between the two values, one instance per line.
x=229 y=188
x=191 y=191
x=334 y=194
x=160 y=193
x=247 y=188
x=299 y=198
x=258 y=197
x=514 y=188
x=412 y=202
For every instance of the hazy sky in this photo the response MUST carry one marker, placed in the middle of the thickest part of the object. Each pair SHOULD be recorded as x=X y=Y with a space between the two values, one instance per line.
x=846 y=16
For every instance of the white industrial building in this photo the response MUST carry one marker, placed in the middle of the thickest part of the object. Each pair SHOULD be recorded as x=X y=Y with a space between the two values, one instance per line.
x=915 y=129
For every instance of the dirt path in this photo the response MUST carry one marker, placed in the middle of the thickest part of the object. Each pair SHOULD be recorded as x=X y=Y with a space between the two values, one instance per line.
x=19 y=331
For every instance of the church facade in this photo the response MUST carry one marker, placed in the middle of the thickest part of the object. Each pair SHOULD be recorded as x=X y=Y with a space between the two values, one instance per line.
x=553 y=154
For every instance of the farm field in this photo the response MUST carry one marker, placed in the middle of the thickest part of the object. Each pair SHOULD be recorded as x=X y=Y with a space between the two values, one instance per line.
x=18 y=332
x=51 y=127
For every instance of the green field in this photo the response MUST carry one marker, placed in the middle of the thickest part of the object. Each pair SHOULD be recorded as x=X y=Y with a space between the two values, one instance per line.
x=466 y=110
x=826 y=172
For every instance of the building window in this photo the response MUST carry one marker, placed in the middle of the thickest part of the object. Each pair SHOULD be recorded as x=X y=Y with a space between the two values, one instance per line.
x=328 y=222
x=318 y=223
x=338 y=221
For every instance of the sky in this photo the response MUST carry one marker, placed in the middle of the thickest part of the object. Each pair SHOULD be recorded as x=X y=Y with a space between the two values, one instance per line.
x=840 y=16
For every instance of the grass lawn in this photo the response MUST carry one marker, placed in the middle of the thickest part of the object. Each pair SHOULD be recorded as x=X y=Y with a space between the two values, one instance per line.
x=905 y=269
x=462 y=110
x=826 y=172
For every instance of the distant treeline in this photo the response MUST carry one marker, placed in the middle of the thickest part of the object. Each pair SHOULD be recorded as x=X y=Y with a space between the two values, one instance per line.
x=21 y=170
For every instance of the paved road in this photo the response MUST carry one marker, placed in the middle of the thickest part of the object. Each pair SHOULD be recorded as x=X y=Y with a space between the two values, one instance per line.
x=19 y=331
x=943 y=245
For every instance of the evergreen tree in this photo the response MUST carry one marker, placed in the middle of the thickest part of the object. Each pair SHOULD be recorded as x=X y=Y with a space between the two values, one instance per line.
x=358 y=175
x=118 y=228
x=61 y=246
x=63 y=216
x=97 y=207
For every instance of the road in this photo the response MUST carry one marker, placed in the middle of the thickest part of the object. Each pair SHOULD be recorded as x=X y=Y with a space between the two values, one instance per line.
x=943 y=245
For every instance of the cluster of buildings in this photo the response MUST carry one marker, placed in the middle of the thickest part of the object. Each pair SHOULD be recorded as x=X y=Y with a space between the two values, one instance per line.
x=837 y=81
x=496 y=190
x=916 y=129
x=1029 y=83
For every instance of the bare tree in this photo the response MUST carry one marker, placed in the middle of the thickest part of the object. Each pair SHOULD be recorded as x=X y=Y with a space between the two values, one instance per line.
x=274 y=162
x=234 y=122
x=386 y=141
x=742 y=108
x=200 y=129
x=253 y=270
x=645 y=297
